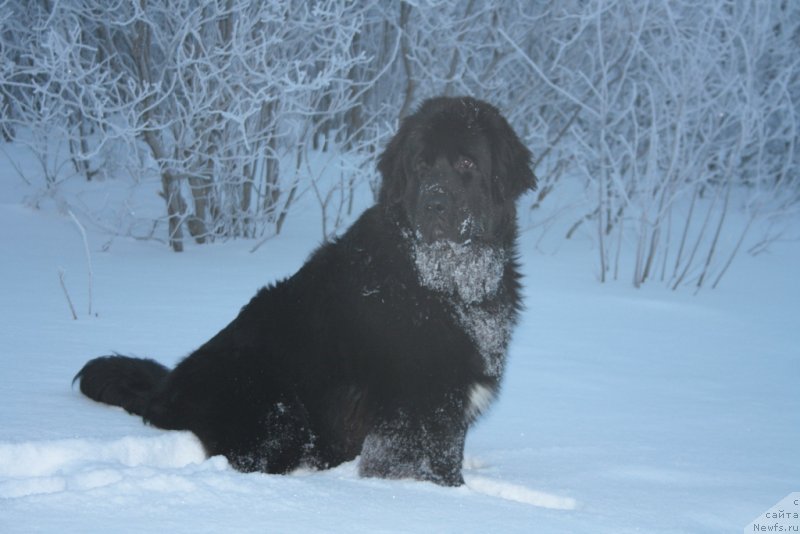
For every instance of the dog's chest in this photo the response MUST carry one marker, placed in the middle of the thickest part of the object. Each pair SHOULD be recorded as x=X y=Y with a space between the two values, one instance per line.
x=470 y=278
x=490 y=330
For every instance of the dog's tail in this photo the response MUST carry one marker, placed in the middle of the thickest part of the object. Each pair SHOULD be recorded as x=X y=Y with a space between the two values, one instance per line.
x=121 y=381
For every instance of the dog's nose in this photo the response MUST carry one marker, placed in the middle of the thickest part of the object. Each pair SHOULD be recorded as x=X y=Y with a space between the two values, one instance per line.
x=436 y=202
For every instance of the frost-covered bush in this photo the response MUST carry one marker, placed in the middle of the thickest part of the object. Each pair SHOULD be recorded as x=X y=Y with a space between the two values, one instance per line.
x=670 y=113
x=680 y=104
x=215 y=94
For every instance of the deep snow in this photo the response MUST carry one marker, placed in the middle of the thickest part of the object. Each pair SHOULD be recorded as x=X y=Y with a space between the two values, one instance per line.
x=622 y=410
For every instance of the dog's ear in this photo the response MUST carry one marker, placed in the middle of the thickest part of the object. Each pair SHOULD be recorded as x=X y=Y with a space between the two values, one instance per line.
x=392 y=166
x=511 y=160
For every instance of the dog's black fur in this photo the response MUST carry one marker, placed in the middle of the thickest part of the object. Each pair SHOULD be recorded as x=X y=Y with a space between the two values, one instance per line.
x=387 y=343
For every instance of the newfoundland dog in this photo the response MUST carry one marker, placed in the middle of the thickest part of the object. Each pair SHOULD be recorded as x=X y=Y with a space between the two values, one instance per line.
x=388 y=343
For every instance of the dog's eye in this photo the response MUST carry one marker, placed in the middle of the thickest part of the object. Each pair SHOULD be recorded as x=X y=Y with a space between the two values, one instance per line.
x=463 y=163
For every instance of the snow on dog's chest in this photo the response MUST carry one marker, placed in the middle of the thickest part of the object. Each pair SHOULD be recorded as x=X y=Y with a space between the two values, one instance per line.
x=470 y=275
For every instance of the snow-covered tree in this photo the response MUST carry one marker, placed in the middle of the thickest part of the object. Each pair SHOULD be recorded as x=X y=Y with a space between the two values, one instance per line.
x=668 y=113
x=215 y=94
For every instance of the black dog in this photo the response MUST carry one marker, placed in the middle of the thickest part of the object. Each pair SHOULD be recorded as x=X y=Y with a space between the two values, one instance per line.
x=387 y=343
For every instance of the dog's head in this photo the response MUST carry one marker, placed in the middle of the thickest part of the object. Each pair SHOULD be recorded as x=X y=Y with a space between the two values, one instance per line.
x=455 y=169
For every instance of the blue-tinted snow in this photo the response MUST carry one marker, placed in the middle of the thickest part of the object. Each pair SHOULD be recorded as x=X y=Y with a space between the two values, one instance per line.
x=623 y=410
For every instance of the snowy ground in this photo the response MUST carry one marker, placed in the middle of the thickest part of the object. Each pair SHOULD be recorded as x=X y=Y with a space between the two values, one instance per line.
x=623 y=410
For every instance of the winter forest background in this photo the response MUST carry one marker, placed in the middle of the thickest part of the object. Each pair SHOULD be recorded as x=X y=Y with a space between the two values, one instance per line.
x=660 y=118
x=665 y=138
